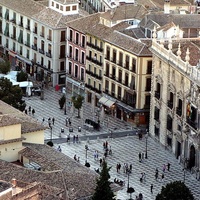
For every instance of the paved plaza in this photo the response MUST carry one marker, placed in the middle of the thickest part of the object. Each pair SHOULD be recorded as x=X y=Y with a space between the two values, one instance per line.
x=124 y=143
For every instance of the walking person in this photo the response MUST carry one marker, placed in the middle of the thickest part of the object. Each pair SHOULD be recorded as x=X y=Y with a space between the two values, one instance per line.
x=156 y=174
x=151 y=187
x=33 y=112
x=164 y=168
x=43 y=119
x=168 y=166
x=140 y=156
x=74 y=138
x=59 y=148
x=162 y=177
x=117 y=167
x=53 y=120
x=29 y=109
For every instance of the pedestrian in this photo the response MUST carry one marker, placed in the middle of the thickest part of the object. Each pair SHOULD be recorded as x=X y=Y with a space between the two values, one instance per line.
x=33 y=112
x=29 y=109
x=66 y=121
x=110 y=151
x=104 y=145
x=53 y=120
x=164 y=168
x=68 y=138
x=130 y=168
x=141 y=177
x=59 y=148
x=162 y=177
x=25 y=111
x=168 y=166
x=74 y=138
x=100 y=161
x=117 y=167
x=43 y=119
x=140 y=156
x=49 y=120
x=69 y=122
x=144 y=177
x=95 y=155
x=75 y=157
x=151 y=188
x=156 y=174
x=78 y=159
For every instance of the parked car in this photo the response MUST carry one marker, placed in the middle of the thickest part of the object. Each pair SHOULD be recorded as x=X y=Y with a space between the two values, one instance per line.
x=36 y=90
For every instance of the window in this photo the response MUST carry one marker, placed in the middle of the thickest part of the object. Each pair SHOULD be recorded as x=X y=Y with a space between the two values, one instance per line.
x=149 y=67
x=57 y=6
x=62 y=37
x=119 y=92
x=114 y=55
x=120 y=62
x=21 y=50
x=27 y=54
x=76 y=55
x=77 y=38
x=82 y=74
x=42 y=45
x=133 y=65
x=70 y=68
x=42 y=61
x=67 y=8
x=70 y=35
x=61 y=8
x=73 y=7
x=70 y=51
x=49 y=64
x=83 y=41
x=127 y=62
x=82 y=57
x=169 y=123
x=35 y=28
x=95 y=42
x=49 y=37
x=76 y=71
x=52 y=4
x=42 y=33
x=62 y=66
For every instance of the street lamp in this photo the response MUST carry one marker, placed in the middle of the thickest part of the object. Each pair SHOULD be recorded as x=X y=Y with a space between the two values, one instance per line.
x=146 y=137
x=130 y=190
x=86 y=149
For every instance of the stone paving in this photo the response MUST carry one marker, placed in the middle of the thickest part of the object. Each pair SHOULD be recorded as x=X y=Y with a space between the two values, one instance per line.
x=125 y=149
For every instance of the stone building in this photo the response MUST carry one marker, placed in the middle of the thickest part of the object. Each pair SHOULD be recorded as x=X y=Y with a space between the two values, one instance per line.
x=174 y=113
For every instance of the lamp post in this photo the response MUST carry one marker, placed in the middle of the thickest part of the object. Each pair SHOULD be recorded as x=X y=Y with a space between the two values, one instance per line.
x=128 y=173
x=146 y=137
x=86 y=149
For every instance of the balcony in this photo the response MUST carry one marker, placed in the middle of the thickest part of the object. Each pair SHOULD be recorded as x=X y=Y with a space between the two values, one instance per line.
x=107 y=75
x=49 y=38
x=157 y=95
x=28 y=27
x=107 y=57
x=35 y=30
x=192 y=123
x=27 y=44
x=41 y=51
x=34 y=47
x=21 y=24
x=179 y=111
x=170 y=104
x=13 y=21
x=112 y=76
x=88 y=58
x=48 y=55
x=113 y=60
x=13 y=36
x=42 y=34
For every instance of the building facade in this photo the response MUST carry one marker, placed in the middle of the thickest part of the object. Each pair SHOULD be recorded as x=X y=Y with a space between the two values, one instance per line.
x=174 y=113
x=34 y=36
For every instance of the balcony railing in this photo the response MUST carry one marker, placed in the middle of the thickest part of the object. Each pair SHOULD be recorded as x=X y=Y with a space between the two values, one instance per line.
x=21 y=24
x=49 y=38
x=178 y=111
x=27 y=44
x=42 y=34
x=170 y=104
x=13 y=36
x=13 y=21
x=34 y=47
x=41 y=51
x=157 y=95
x=35 y=30
x=28 y=27
x=48 y=55
x=192 y=123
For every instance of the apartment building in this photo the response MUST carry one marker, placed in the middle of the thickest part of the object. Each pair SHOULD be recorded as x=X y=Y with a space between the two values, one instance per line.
x=127 y=77
x=174 y=110
x=33 y=34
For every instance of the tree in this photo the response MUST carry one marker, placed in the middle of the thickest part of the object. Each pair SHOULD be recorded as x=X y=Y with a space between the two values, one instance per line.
x=103 y=189
x=4 y=66
x=11 y=95
x=175 y=190
x=62 y=101
x=78 y=102
x=22 y=76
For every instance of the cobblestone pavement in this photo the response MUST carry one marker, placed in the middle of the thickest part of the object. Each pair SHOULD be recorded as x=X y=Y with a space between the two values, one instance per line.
x=125 y=149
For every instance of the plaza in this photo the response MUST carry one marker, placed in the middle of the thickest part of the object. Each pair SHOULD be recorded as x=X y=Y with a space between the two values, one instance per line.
x=124 y=143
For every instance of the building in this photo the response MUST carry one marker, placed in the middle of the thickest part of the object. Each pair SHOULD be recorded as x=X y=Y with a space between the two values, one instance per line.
x=174 y=113
x=34 y=34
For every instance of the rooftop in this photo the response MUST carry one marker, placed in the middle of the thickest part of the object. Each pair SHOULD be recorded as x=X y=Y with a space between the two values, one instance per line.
x=63 y=173
x=10 y=116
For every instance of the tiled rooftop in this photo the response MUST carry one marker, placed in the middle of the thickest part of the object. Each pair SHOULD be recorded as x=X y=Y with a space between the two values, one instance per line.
x=64 y=173
x=4 y=185
x=128 y=43
x=183 y=20
x=14 y=116
x=40 y=12
x=123 y=12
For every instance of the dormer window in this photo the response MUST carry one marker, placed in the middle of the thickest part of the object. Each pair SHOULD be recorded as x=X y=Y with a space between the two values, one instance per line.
x=61 y=8
x=57 y=6
x=73 y=7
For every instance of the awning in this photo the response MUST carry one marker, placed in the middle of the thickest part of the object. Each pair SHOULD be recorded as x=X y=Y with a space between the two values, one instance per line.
x=23 y=59
x=13 y=54
x=102 y=100
x=129 y=109
x=109 y=103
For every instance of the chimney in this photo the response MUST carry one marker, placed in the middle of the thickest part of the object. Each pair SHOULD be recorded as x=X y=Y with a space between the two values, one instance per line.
x=167 y=7
x=14 y=185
